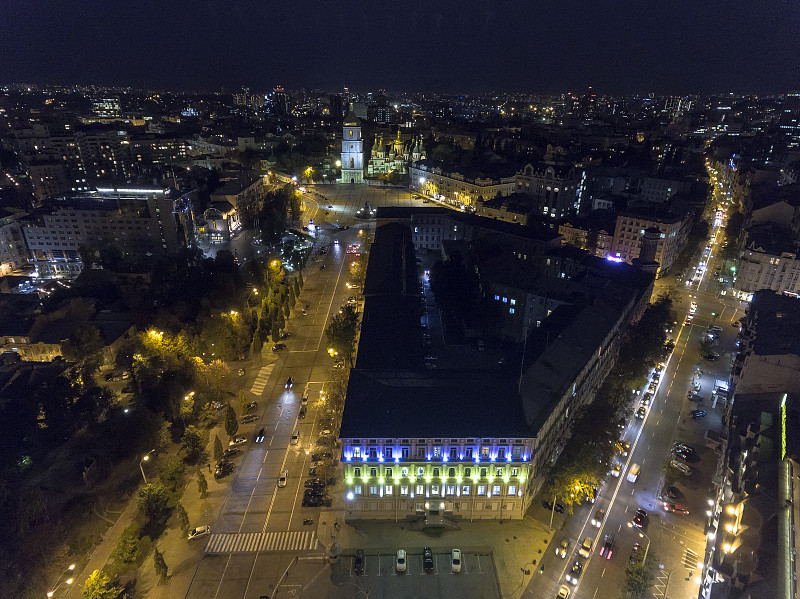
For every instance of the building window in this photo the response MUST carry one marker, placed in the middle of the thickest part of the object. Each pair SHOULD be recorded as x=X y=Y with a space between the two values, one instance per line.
x=512 y=489
x=515 y=472
x=481 y=490
x=404 y=472
x=451 y=490
x=373 y=453
x=483 y=472
x=465 y=490
x=451 y=473
x=437 y=453
x=373 y=472
x=496 y=490
x=404 y=490
x=388 y=473
x=453 y=453
x=497 y=297
x=420 y=489
x=351 y=135
x=501 y=453
x=387 y=490
x=468 y=453
x=517 y=452
x=434 y=489
x=484 y=453
x=404 y=453
x=498 y=472
x=420 y=507
x=387 y=453
x=467 y=471
x=373 y=490
x=357 y=489
x=420 y=453
x=357 y=472
x=436 y=472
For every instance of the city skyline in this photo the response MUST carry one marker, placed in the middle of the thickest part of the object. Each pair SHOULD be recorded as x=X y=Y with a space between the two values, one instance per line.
x=558 y=48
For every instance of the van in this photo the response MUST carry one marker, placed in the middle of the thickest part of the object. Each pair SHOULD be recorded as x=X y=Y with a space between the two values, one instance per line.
x=586 y=547
x=633 y=473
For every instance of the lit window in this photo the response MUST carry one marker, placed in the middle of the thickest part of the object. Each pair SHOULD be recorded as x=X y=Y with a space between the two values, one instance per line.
x=465 y=490
x=387 y=490
x=481 y=490
x=403 y=489
x=496 y=490
x=511 y=310
x=373 y=490
x=513 y=302
x=404 y=472
x=434 y=489
x=505 y=300
x=514 y=471
x=497 y=297
x=451 y=490
x=357 y=489
x=512 y=489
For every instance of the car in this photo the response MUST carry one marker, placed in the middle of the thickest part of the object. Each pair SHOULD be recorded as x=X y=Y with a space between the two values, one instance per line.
x=295 y=438
x=640 y=519
x=696 y=397
x=563 y=592
x=304 y=399
x=574 y=573
x=249 y=418
x=616 y=469
x=673 y=492
x=199 y=531
x=240 y=372
x=427 y=558
x=223 y=468
x=561 y=550
x=316 y=457
x=715 y=329
x=289 y=383
x=236 y=441
x=325 y=433
x=278 y=347
x=335 y=242
x=676 y=508
x=283 y=478
x=636 y=553
x=312 y=501
x=302 y=413
x=597 y=519
x=313 y=482
x=656 y=376
x=684 y=447
x=641 y=412
x=591 y=494
x=285 y=335
x=549 y=505
x=711 y=356
x=358 y=562
x=608 y=547
x=455 y=561
x=680 y=453
x=400 y=561
x=260 y=435
x=623 y=447
x=697 y=414
x=681 y=467
x=230 y=452
x=585 y=548
x=253 y=405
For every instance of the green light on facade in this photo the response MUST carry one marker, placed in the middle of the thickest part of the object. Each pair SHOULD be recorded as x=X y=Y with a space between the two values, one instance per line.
x=349 y=480
x=783 y=427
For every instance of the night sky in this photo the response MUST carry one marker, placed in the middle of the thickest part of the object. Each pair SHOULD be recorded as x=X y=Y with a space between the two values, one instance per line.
x=661 y=46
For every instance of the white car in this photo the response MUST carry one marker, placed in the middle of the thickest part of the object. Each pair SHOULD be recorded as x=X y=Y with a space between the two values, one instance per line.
x=616 y=469
x=283 y=478
x=295 y=438
x=237 y=441
x=198 y=532
x=561 y=550
x=455 y=561
x=400 y=562
x=563 y=592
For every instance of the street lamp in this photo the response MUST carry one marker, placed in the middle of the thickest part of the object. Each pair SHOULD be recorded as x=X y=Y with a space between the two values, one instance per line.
x=143 y=460
x=59 y=582
x=251 y=295
x=642 y=536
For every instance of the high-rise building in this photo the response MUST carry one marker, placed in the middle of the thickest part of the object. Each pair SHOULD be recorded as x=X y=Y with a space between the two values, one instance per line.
x=280 y=101
x=790 y=119
x=352 y=150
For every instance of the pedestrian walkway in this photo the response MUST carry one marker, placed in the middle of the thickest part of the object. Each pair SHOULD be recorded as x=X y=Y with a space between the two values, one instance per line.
x=257 y=541
x=261 y=380
x=690 y=559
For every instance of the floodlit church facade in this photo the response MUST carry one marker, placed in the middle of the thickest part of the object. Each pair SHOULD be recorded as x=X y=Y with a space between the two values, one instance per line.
x=394 y=156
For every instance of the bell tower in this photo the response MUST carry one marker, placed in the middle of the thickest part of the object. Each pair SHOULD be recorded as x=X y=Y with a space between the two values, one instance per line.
x=352 y=150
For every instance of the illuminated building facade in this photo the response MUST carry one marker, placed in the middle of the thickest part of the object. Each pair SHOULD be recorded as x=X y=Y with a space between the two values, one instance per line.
x=352 y=150
x=462 y=191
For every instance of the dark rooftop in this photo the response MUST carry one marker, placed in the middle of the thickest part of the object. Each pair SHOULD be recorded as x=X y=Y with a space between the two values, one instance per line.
x=777 y=323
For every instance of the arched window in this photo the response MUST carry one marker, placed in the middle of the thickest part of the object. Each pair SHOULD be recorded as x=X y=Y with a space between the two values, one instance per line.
x=351 y=133
x=352 y=163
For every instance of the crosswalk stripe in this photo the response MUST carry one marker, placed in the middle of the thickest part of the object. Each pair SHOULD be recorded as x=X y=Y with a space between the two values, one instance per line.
x=256 y=541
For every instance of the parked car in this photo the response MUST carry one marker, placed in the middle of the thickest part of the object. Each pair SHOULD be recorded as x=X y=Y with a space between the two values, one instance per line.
x=236 y=441
x=278 y=347
x=608 y=547
x=640 y=519
x=358 y=562
x=455 y=561
x=249 y=418
x=316 y=457
x=427 y=558
x=260 y=435
x=302 y=413
x=304 y=399
x=295 y=438
x=240 y=372
x=616 y=469
x=253 y=405
x=673 y=492
x=223 y=469
x=400 y=560
x=199 y=531
x=549 y=505
x=574 y=573
x=641 y=412
x=711 y=356
x=697 y=414
x=561 y=550
x=289 y=383
x=681 y=467
x=312 y=501
x=230 y=452
x=676 y=508
x=283 y=478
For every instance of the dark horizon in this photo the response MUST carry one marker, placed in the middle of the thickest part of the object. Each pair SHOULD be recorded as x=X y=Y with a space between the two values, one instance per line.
x=561 y=46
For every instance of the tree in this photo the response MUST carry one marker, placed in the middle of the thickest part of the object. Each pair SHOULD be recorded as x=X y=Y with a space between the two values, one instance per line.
x=84 y=346
x=202 y=484
x=127 y=546
x=241 y=398
x=192 y=442
x=154 y=503
x=341 y=332
x=297 y=285
x=638 y=579
x=300 y=280
x=172 y=472
x=160 y=565
x=182 y=517
x=292 y=298
x=231 y=422
x=99 y=586
x=218 y=452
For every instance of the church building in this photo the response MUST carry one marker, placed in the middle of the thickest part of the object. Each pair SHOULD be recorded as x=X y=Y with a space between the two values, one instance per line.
x=394 y=157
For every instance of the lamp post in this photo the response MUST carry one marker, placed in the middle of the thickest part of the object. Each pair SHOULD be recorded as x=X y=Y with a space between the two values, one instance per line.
x=647 y=547
x=251 y=295
x=142 y=461
x=59 y=582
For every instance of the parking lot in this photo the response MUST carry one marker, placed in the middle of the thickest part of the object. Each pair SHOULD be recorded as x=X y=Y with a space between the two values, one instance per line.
x=381 y=579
